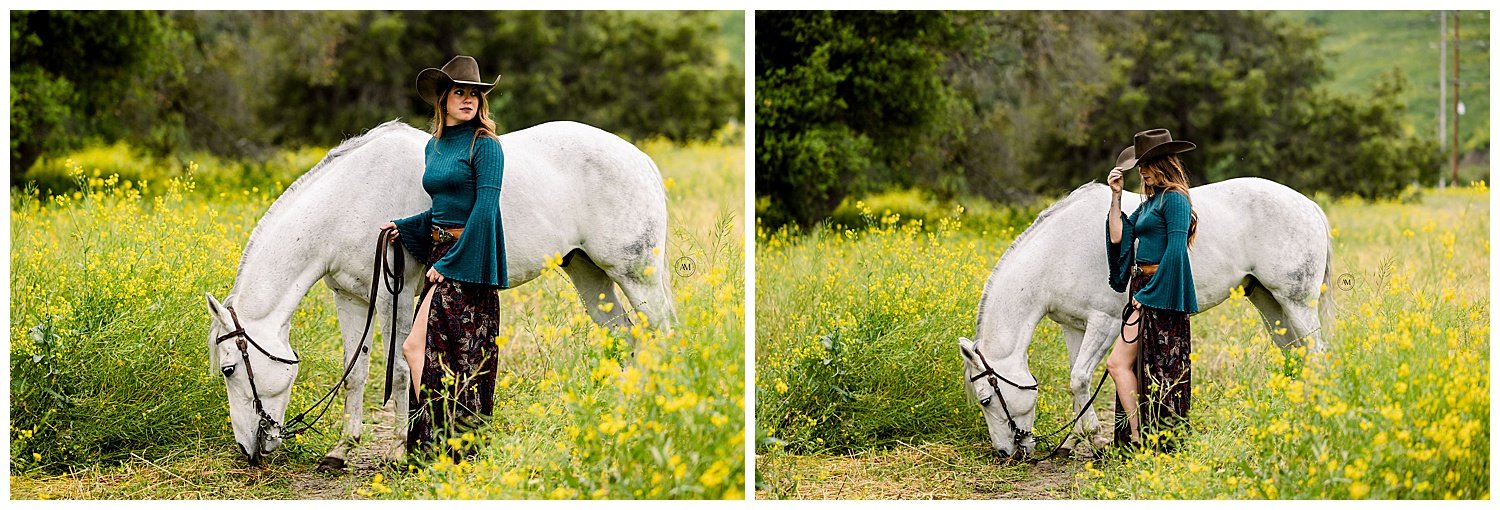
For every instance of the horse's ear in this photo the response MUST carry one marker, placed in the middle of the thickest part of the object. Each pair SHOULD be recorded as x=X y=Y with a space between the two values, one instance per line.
x=216 y=310
x=216 y=316
x=966 y=348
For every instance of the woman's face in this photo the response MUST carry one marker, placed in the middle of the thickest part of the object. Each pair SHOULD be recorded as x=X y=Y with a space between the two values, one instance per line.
x=463 y=104
x=1149 y=177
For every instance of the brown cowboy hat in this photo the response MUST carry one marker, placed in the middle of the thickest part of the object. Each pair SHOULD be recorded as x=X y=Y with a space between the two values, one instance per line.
x=1152 y=143
x=462 y=70
x=1126 y=159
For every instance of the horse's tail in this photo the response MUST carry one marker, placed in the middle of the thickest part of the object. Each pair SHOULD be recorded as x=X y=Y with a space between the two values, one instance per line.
x=664 y=283
x=1327 y=311
x=663 y=269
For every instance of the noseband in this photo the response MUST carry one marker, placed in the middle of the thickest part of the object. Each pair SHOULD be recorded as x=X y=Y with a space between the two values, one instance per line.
x=994 y=379
x=241 y=339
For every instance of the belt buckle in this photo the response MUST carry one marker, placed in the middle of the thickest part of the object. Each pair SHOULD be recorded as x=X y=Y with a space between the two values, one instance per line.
x=441 y=235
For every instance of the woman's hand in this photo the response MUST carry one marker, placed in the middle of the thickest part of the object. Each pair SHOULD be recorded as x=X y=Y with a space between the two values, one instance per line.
x=391 y=225
x=1116 y=180
x=434 y=276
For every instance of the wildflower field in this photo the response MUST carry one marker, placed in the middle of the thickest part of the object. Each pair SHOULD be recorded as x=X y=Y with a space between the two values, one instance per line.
x=858 y=392
x=111 y=396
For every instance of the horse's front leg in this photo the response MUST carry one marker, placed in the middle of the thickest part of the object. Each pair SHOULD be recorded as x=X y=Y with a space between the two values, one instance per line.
x=401 y=373
x=351 y=311
x=1073 y=338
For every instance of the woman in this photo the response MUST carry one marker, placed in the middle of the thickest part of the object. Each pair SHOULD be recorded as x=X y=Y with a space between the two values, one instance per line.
x=451 y=349
x=1152 y=352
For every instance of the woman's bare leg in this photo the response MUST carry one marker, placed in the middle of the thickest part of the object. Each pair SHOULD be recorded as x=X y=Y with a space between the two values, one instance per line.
x=1121 y=367
x=415 y=346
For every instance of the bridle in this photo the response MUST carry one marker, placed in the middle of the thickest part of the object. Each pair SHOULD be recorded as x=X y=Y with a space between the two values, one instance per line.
x=993 y=378
x=241 y=340
x=1018 y=434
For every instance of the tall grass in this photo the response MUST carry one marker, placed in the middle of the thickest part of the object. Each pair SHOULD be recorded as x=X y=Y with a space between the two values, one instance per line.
x=59 y=175
x=1398 y=407
x=858 y=328
x=106 y=293
x=855 y=356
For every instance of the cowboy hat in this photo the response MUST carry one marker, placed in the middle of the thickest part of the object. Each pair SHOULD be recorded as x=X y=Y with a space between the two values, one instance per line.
x=1152 y=143
x=462 y=70
x=1126 y=159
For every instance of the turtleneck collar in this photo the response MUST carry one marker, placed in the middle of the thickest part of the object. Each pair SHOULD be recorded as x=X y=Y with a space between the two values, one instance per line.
x=466 y=128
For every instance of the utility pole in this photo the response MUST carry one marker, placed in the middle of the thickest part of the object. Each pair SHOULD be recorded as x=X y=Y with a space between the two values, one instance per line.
x=1453 y=150
x=1442 y=106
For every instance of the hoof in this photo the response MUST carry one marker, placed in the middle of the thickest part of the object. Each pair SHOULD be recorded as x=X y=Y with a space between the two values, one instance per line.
x=331 y=464
x=396 y=456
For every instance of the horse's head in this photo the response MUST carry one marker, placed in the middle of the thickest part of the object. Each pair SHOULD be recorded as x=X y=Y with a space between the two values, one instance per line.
x=1007 y=400
x=258 y=371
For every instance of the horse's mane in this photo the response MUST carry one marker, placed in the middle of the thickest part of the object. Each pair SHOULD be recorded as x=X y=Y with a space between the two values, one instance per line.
x=1074 y=197
x=291 y=192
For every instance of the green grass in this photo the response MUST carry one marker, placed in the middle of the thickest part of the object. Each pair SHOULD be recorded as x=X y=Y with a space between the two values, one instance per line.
x=1398 y=407
x=1364 y=44
x=115 y=400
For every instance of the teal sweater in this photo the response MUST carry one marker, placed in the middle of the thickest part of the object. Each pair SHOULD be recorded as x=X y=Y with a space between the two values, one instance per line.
x=1161 y=226
x=465 y=191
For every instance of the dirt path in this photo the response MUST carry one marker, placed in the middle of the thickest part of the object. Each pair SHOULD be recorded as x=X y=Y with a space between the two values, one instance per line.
x=926 y=471
x=364 y=461
x=221 y=474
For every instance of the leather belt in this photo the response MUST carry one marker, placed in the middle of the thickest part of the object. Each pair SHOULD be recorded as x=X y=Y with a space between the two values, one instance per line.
x=443 y=235
x=1147 y=270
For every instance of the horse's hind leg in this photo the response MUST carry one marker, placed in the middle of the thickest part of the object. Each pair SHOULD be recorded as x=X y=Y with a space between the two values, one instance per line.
x=1305 y=327
x=1287 y=320
x=649 y=296
x=597 y=292
x=1271 y=313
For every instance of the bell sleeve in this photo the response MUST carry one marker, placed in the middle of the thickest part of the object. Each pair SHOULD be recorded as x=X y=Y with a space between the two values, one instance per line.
x=1172 y=286
x=1120 y=254
x=416 y=234
x=479 y=255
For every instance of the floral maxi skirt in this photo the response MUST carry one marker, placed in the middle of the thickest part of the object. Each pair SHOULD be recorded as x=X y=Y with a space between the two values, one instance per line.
x=458 y=377
x=1163 y=371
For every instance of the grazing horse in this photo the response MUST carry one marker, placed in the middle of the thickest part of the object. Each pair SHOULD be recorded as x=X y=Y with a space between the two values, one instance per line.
x=570 y=189
x=1253 y=233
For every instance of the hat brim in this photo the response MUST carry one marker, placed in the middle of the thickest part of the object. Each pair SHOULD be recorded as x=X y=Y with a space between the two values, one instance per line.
x=1126 y=160
x=432 y=80
x=1164 y=149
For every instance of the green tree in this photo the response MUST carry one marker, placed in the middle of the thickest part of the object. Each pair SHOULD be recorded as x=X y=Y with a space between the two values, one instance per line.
x=845 y=99
x=87 y=75
x=1224 y=80
x=1357 y=145
x=632 y=73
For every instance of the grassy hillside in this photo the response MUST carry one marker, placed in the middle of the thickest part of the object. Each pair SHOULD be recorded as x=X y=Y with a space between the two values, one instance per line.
x=1362 y=45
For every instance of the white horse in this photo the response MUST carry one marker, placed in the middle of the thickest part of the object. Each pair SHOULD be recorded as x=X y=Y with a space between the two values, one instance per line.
x=1251 y=232
x=569 y=189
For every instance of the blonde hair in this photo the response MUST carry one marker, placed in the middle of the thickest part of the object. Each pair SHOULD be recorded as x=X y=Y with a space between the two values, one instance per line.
x=440 y=115
x=1168 y=170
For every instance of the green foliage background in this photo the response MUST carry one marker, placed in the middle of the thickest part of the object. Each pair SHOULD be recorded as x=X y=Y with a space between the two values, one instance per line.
x=1028 y=104
x=245 y=84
